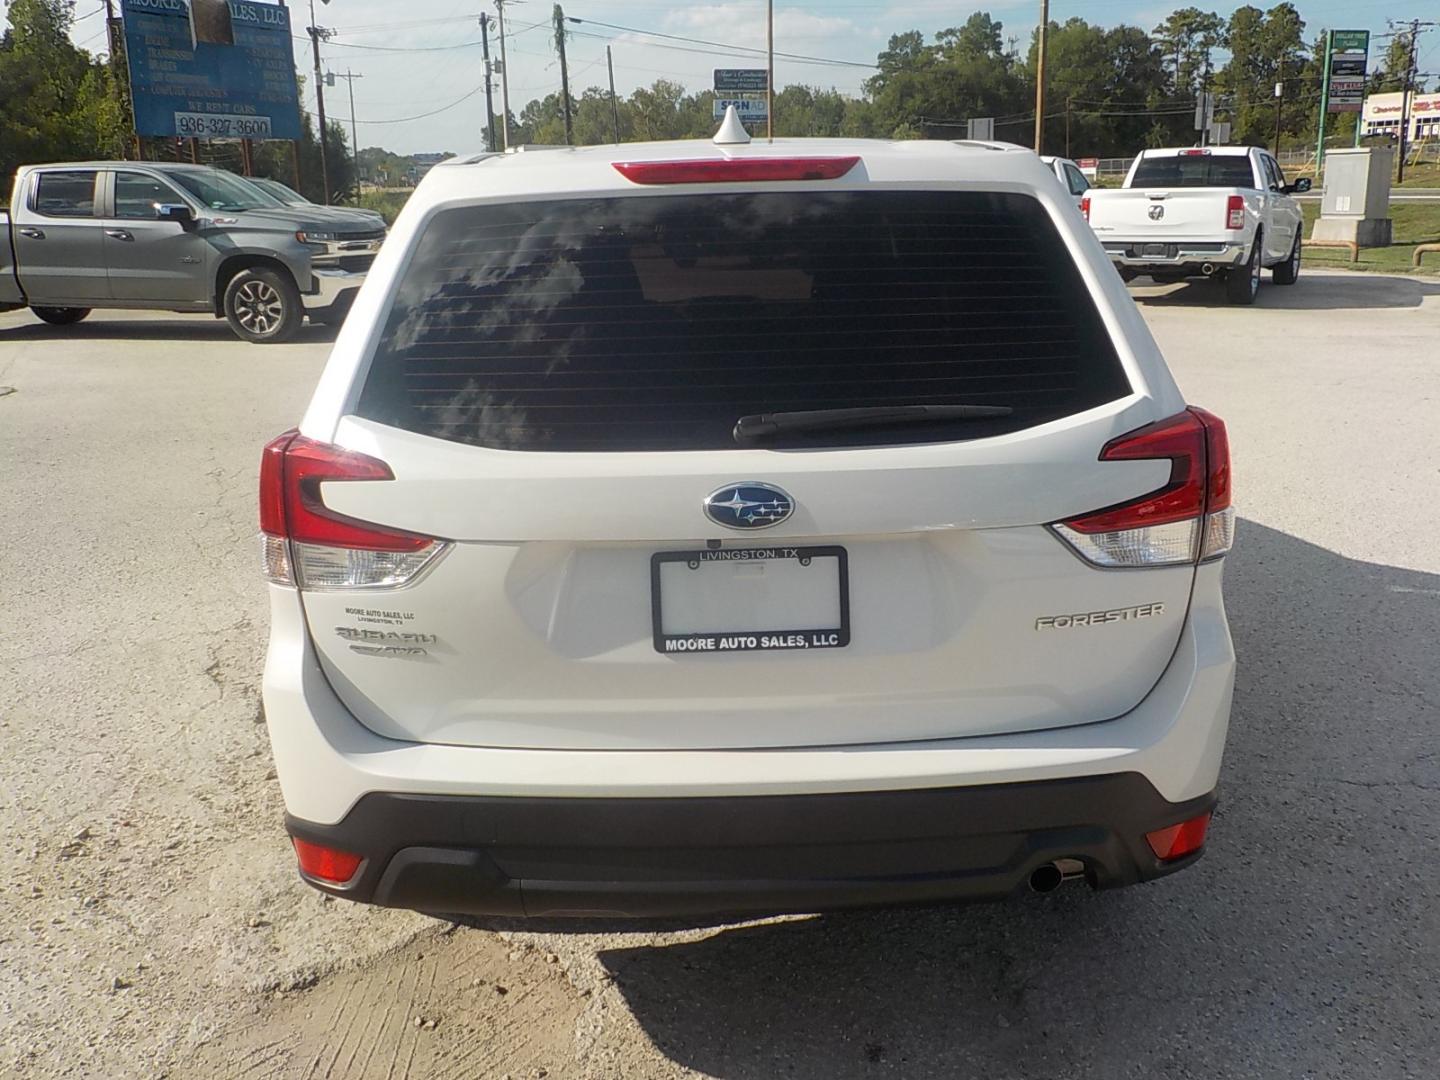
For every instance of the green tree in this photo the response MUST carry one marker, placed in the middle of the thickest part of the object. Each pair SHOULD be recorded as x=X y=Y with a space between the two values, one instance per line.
x=934 y=88
x=1188 y=38
x=59 y=102
x=1104 y=88
x=1261 y=46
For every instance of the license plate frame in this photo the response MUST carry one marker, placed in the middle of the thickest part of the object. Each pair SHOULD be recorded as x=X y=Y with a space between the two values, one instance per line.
x=798 y=639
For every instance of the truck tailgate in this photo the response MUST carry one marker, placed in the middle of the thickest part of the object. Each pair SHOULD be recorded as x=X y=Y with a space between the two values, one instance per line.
x=1159 y=215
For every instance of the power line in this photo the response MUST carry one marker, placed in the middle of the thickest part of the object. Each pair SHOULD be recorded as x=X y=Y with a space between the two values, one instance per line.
x=724 y=44
x=432 y=112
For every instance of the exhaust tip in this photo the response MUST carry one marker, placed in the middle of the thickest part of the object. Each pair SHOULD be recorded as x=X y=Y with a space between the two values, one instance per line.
x=1046 y=878
x=1052 y=875
x=1207 y=269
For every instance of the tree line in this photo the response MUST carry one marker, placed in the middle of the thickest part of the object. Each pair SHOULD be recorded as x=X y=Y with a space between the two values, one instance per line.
x=1110 y=91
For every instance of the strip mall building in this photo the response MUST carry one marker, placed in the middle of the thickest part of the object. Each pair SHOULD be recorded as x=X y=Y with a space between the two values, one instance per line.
x=1383 y=112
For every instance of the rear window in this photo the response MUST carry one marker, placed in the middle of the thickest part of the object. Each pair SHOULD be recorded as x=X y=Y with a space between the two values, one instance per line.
x=1195 y=170
x=655 y=322
x=65 y=194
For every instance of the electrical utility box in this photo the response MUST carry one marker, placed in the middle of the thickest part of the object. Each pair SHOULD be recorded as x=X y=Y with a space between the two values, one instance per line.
x=1356 y=203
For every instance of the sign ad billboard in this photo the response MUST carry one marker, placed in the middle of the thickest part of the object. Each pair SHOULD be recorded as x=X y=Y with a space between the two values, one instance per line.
x=751 y=108
x=211 y=69
x=729 y=80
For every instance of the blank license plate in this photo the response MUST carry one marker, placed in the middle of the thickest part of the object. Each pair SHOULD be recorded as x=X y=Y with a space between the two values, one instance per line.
x=1160 y=250
x=750 y=599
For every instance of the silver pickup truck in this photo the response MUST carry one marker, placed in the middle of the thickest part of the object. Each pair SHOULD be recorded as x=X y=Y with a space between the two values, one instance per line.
x=173 y=237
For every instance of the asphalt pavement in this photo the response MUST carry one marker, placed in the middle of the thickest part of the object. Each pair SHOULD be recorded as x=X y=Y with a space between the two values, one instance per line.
x=151 y=924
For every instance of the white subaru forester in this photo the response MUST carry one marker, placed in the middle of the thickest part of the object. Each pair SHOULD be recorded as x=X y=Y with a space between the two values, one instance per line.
x=700 y=528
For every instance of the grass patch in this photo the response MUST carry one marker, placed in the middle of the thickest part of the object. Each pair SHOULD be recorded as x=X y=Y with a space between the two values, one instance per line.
x=1415 y=223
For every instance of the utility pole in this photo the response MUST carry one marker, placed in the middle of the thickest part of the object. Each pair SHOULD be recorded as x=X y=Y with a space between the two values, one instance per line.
x=1207 y=107
x=117 y=74
x=350 y=78
x=316 y=33
x=489 y=83
x=1040 y=76
x=504 y=78
x=614 y=105
x=770 y=70
x=1415 y=27
x=1068 y=100
x=559 y=18
x=1279 y=102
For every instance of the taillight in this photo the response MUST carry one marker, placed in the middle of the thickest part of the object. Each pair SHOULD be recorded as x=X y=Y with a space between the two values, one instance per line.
x=1235 y=212
x=735 y=170
x=1085 y=206
x=330 y=865
x=305 y=543
x=1190 y=519
x=1177 y=841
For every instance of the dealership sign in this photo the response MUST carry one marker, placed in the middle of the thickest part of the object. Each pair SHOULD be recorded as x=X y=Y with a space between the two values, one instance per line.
x=211 y=69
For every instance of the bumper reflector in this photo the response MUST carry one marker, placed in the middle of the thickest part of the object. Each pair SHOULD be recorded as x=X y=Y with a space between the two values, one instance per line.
x=1177 y=841
x=325 y=864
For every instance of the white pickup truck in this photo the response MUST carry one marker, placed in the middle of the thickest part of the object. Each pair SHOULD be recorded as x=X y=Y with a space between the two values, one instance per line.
x=1222 y=211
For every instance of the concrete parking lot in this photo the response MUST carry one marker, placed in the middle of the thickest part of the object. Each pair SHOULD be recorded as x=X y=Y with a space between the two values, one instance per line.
x=151 y=923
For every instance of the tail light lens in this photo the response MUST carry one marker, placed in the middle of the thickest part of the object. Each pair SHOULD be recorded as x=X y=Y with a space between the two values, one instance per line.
x=1190 y=519
x=1235 y=212
x=1085 y=206
x=305 y=543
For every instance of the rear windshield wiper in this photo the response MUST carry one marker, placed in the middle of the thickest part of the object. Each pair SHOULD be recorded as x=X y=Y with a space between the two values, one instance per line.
x=762 y=425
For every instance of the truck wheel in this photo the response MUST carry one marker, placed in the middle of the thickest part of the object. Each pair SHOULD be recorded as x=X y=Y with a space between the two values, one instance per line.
x=60 y=316
x=263 y=306
x=1243 y=283
x=1285 y=273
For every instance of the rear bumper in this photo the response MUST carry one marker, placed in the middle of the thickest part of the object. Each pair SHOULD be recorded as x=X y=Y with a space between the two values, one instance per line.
x=746 y=855
x=1177 y=256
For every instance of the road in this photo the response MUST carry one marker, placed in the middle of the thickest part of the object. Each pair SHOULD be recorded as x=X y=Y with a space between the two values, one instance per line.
x=151 y=925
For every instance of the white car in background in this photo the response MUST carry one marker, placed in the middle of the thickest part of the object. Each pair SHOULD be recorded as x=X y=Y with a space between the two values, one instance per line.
x=1068 y=173
x=1217 y=211
x=687 y=528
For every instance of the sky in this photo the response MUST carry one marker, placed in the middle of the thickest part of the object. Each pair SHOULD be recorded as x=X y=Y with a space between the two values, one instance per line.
x=422 y=80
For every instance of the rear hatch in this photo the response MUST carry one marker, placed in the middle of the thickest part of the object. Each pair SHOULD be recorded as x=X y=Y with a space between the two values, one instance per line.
x=555 y=391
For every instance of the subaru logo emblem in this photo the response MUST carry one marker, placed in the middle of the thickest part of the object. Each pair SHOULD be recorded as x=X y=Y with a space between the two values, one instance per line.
x=1157 y=212
x=749 y=505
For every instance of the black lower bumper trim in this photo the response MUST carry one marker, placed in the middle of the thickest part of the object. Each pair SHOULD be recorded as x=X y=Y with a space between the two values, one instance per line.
x=769 y=854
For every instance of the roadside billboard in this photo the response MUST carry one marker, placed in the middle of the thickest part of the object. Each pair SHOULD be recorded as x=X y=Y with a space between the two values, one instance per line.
x=746 y=90
x=1348 y=62
x=211 y=69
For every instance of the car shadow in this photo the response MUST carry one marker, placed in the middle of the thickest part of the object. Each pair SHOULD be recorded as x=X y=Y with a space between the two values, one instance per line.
x=1338 y=290
x=1301 y=945
x=160 y=328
